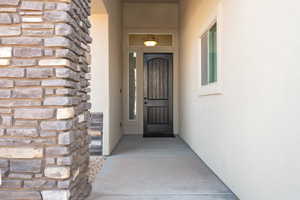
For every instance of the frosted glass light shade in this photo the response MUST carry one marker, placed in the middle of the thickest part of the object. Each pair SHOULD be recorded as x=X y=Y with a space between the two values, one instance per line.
x=150 y=43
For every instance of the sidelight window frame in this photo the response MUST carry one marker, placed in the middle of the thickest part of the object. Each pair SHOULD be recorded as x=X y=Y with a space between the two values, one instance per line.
x=135 y=114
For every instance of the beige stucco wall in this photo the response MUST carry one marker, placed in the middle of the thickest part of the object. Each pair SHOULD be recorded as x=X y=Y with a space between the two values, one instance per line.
x=99 y=66
x=150 y=15
x=114 y=9
x=249 y=135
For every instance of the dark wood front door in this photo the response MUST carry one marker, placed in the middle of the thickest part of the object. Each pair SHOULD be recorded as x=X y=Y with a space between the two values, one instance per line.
x=158 y=95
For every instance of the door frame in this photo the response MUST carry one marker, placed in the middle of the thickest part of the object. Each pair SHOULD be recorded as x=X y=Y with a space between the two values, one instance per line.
x=136 y=127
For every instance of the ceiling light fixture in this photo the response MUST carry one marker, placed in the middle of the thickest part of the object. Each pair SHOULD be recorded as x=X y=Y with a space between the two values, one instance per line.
x=150 y=41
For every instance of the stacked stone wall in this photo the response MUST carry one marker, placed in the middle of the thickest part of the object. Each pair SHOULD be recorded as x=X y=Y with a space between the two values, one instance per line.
x=44 y=99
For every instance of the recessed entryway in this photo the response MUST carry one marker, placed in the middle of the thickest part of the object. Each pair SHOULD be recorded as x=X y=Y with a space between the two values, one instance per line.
x=150 y=84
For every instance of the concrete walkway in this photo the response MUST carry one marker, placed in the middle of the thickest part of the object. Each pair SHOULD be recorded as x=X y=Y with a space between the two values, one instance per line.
x=157 y=169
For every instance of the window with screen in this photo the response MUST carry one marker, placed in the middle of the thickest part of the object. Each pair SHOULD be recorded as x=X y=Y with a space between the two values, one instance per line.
x=209 y=65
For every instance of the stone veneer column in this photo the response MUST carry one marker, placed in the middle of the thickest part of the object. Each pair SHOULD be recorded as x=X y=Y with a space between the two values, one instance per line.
x=44 y=66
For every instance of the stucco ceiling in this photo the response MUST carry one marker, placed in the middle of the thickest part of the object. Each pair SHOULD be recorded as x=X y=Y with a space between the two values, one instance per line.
x=98 y=6
x=151 y=1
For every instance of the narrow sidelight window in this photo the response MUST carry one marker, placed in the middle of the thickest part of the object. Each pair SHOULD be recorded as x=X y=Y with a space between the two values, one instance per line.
x=132 y=85
x=209 y=56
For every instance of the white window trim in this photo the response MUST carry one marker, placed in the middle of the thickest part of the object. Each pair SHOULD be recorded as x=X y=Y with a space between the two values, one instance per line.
x=215 y=88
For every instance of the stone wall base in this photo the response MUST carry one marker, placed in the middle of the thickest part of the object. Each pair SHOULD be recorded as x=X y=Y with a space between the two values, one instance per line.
x=44 y=99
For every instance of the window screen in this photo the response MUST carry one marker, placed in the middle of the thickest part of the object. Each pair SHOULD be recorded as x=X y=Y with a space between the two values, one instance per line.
x=209 y=56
